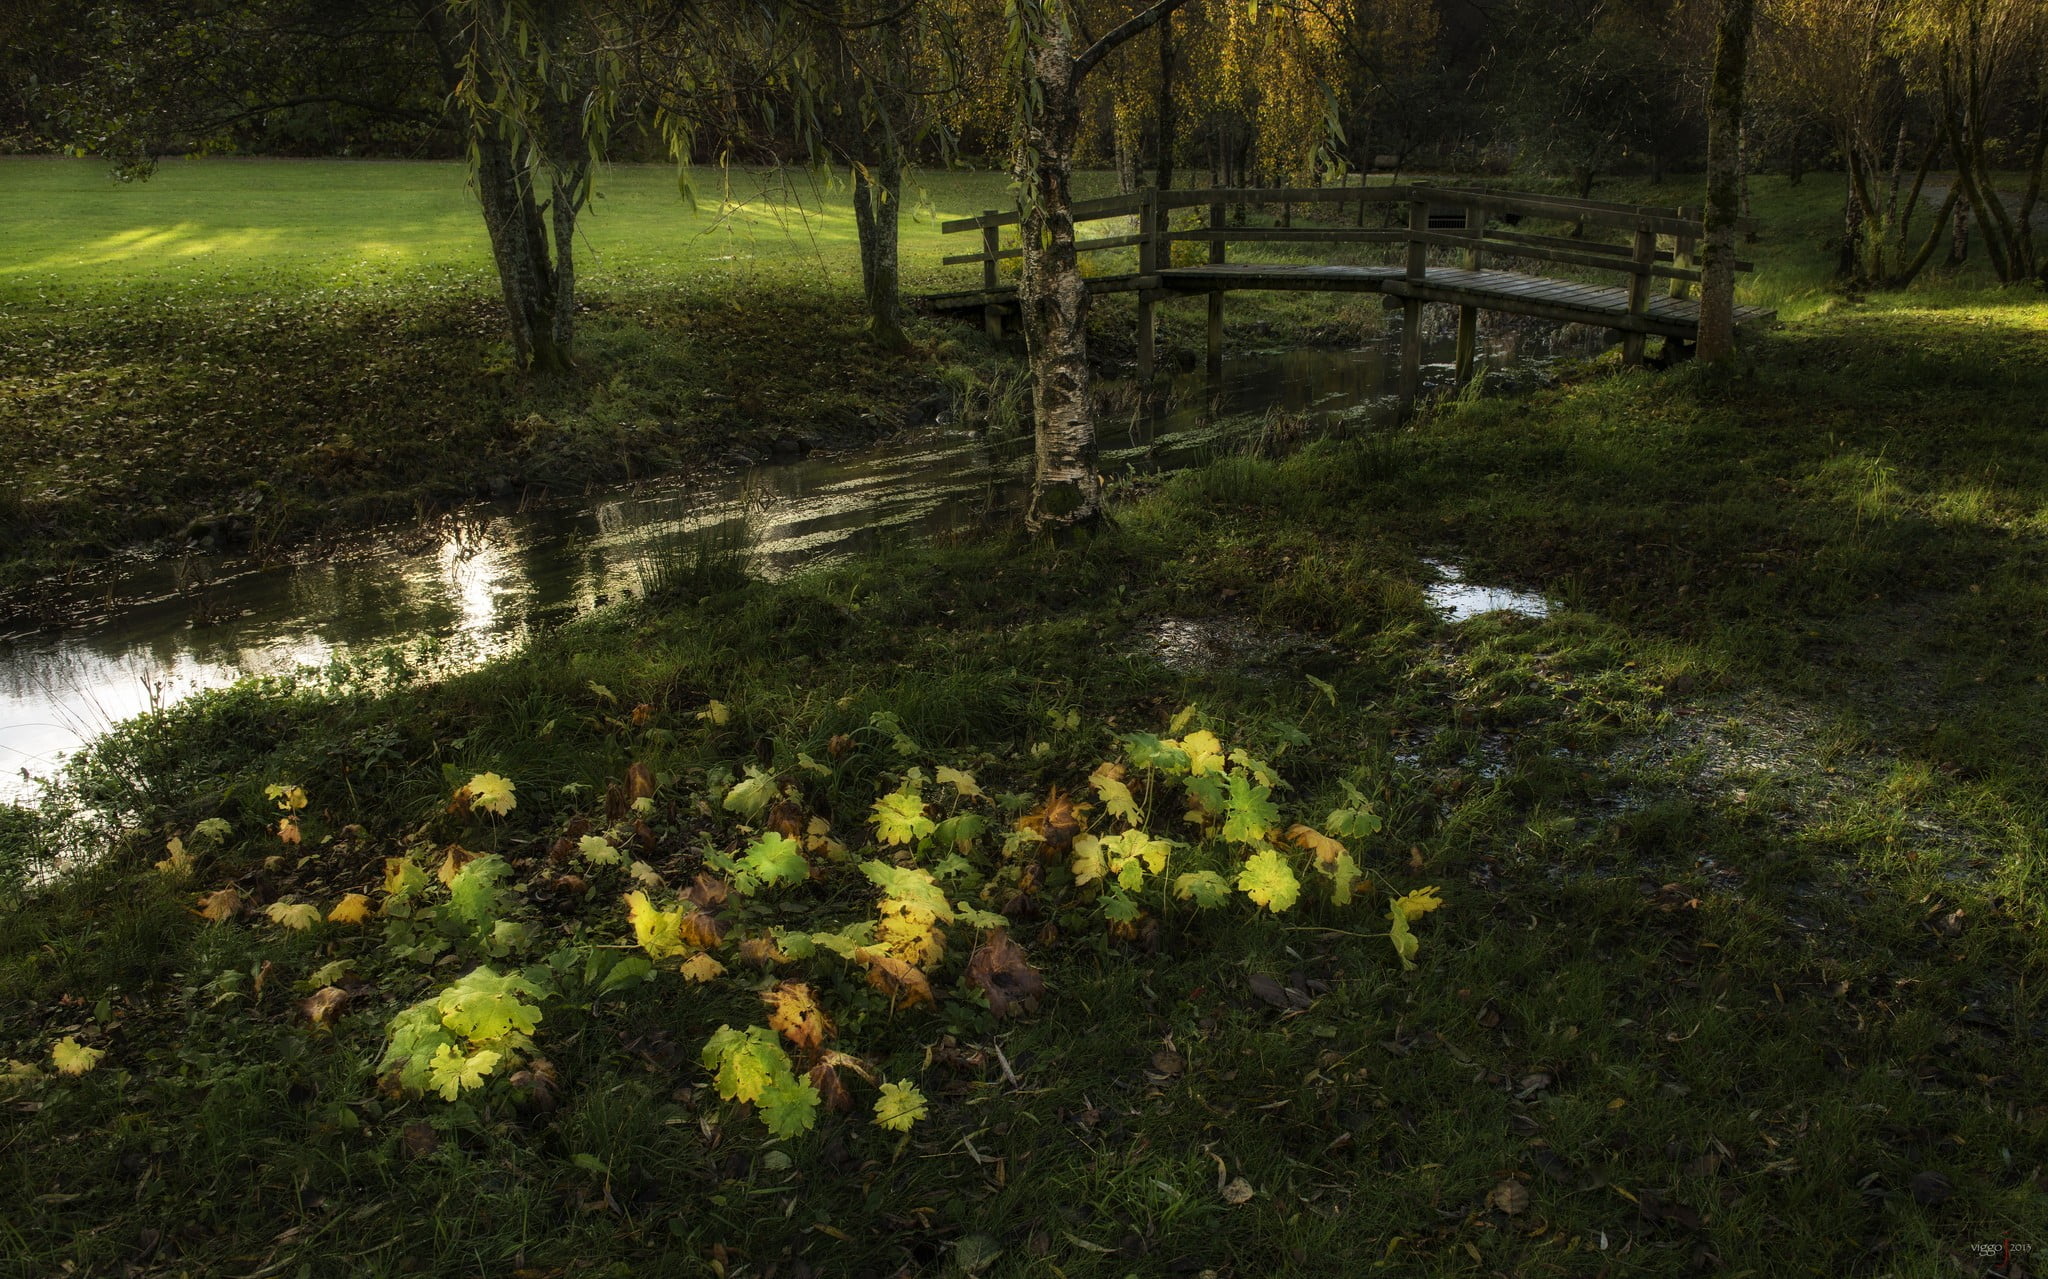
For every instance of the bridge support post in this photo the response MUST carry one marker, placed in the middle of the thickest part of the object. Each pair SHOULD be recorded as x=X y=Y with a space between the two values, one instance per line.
x=1468 y=341
x=1148 y=265
x=991 y=243
x=1639 y=295
x=1411 y=307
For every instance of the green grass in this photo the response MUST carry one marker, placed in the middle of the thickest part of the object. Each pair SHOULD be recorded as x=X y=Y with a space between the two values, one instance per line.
x=1742 y=851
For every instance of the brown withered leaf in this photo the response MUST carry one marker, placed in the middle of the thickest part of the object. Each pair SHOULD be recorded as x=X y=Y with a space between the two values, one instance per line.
x=536 y=1083
x=1510 y=1197
x=905 y=986
x=455 y=858
x=763 y=952
x=420 y=1139
x=324 y=1005
x=703 y=930
x=707 y=890
x=639 y=783
x=1000 y=969
x=1056 y=823
x=643 y=714
x=839 y=745
x=221 y=906
x=832 y=1092
x=793 y=1011
x=786 y=820
x=643 y=837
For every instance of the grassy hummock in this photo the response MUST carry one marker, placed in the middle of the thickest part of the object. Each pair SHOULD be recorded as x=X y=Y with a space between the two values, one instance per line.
x=1740 y=849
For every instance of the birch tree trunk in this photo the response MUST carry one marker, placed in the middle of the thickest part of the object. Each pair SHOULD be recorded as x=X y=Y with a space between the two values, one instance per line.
x=1066 y=492
x=1724 y=182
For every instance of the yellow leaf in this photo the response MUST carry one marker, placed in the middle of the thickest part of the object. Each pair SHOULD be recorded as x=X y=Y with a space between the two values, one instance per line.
x=1415 y=905
x=899 y=1106
x=646 y=875
x=289 y=798
x=297 y=916
x=962 y=782
x=74 y=1058
x=401 y=876
x=1204 y=752
x=659 y=932
x=793 y=1010
x=717 y=712
x=179 y=864
x=288 y=829
x=597 y=850
x=352 y=909
x=1088 y=865
x=702 y=968
x=1107 y=779
x=1327 y=850
x=491 y=793
x=219 y=907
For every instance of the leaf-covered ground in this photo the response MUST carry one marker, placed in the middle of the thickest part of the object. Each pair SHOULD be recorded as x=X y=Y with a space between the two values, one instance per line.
x=1741 y=852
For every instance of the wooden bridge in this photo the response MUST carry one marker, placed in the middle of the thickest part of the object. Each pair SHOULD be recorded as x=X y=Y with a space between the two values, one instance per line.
x=1472 y=224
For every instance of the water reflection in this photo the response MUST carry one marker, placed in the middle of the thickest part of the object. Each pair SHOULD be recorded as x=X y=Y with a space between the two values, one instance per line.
x=486 y=582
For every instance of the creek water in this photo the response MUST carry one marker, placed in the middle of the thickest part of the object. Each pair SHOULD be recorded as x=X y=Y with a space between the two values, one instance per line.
x=483 y=583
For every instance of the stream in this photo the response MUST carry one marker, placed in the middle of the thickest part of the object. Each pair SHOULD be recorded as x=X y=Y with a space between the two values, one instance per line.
x=489 y=580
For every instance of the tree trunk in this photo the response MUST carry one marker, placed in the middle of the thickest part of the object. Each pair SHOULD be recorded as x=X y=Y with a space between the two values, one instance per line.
x=1066 y=492
x=1169 y=132
x=877 y=189
x=1959 y=232
x=519 y=247
x=1724 y=182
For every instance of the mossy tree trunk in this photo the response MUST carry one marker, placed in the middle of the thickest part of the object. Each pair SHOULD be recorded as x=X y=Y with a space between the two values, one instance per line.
x=1724 y=181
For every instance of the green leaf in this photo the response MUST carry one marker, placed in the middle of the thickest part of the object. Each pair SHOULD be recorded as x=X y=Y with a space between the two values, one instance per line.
x=751 y=796
x=888 y=723
x=1205 y=888
x=1118 y=907
x=487 y=1007
x=1269 y=881
x=912 y=885
x=1249 y=814
x=744 y=1062
x=1344 y=880
x=1404 y=941
x=452 y=1073
x=959 y=832
x=899 y=818
x=976 y=918
x=1146 y=751
x=773 y=859
x=1117 y=800
x=788 y=1105
x=473 y=893
x=899 y=1106
x=631 y=970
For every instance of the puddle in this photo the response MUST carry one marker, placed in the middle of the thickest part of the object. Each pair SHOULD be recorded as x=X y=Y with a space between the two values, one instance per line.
x=1461 y=601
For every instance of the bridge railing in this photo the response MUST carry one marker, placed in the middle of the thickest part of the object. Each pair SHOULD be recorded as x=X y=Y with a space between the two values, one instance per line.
x=1481 y=222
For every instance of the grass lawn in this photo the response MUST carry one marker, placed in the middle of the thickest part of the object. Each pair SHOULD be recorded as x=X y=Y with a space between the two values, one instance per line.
x=1741 y=850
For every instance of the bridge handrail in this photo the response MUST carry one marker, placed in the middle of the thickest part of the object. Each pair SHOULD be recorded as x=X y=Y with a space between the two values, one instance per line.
x=1643 y=261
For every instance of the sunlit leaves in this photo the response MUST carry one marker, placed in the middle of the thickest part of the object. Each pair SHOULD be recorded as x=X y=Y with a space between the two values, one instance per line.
x=474 y=894
x=751 y=796
x=793 y=1010
x=73 y=1058
x=659 y=932
x=1204 y=752
x=1117 y=801
x=353 y=908
x=743 y=1063
x=177 y=863
x=900 y=1106
x=1249 y=815
x=1415 y=905
x=899 y=818
x=788 y=1106
x=451 y=1072
x=772 y=859
x=910 y=885
x=1403 y=911
x=701 y=968
x=402 y=877
x=1148 y=751
x=487 y=1006
x=219 y=906
x=1269 y=881
x=297 y=916
x=597 y=850
x=289 y=799
x=490 y=793
x=1205 y=888
x=964 y=783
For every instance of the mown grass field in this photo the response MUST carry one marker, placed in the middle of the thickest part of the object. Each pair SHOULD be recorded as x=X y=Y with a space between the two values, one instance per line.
x=1741 y=850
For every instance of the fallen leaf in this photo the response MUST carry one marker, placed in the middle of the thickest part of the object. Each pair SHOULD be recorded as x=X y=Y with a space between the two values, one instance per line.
x=999 y=969
x=324 y=1005
x=352 y=909
x=1237 y=1192
x=73 y=1058
x=1510 y=1197
x=793 y=1010
x=220 y=906
x=905 y=986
